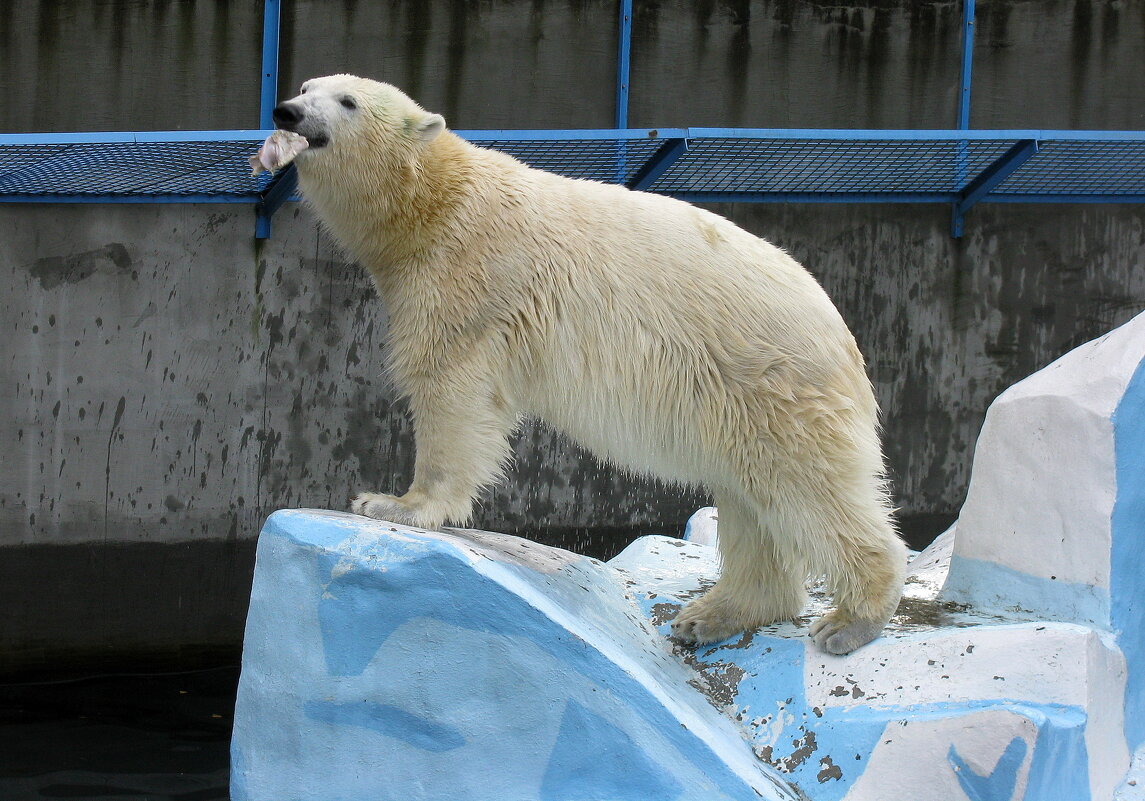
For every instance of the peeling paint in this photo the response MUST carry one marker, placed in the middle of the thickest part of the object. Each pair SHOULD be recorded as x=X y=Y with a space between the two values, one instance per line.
x=828 y=770
x=719 y=681
x=664 y=613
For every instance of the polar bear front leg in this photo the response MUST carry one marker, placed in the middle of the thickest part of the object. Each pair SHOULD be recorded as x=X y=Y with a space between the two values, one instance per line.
x=756 y=587
x=462 y=442
x=409 y=509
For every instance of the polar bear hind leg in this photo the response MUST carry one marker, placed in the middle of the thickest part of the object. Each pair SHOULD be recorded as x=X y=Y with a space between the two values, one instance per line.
x=865 y=571
x=769 y=549
x=757 y=585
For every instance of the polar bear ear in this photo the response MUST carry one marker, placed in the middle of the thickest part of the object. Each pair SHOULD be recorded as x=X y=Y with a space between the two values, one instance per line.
x=429 y=126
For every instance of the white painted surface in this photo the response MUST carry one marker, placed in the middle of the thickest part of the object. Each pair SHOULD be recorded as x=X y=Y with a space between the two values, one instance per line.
x=1133 y=788
x=1043 y=486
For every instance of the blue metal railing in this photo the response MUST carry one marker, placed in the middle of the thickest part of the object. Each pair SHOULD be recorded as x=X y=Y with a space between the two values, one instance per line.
x=129 y=167
x=703 y=164
x=961 y=167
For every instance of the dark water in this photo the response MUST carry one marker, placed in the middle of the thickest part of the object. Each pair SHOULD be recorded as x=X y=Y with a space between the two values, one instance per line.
x=118 y=737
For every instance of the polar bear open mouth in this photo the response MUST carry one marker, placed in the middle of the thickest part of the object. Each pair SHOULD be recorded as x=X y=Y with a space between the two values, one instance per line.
x=279 y=149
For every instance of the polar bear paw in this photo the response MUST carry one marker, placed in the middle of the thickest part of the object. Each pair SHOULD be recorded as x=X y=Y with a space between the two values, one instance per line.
x=838 y=633
x=709 y=619
x=386 y=507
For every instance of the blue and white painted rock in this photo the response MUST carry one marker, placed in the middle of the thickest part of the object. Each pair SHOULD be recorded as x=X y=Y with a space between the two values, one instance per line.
x=386 y=662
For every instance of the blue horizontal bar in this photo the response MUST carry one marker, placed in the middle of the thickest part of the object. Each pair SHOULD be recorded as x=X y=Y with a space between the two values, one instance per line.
x=913 y=134
x=576 y=134
x=692 y=197
x=1058 y=197
x=93 y=198
x=814 y=197
x=131 y=137
x=892 y=197
x=668 y=144
x=797 y=134
x=571 y=134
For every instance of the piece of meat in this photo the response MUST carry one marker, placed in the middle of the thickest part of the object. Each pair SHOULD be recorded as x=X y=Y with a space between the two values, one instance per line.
x=277 y=151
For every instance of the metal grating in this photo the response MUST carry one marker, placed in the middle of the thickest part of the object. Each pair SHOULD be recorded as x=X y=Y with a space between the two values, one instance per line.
x=1079 y=170
x=827 y=167
x=854 y=166
x=157 y=168
x=605 y=159
x=700 y=164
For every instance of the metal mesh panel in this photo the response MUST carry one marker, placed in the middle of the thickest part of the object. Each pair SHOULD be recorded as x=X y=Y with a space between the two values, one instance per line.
x=1081 y=168
x=605 y=160
x=749 y=165
x=833 y=167
x=127 y=169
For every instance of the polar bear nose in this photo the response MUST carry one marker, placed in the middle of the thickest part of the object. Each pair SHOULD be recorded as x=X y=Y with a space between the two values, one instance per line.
x=286 y=115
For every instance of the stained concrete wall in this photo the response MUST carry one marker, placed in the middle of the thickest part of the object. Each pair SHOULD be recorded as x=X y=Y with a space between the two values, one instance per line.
x=167 y=380
x=160 y=65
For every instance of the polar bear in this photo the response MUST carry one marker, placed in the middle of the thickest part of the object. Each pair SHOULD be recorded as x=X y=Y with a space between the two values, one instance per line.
x=660 y=336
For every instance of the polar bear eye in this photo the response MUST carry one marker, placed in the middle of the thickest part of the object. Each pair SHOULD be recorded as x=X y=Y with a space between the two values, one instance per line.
x=349 y=103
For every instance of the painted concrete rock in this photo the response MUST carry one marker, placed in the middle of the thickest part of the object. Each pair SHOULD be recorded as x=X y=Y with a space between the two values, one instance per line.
x=386 y=662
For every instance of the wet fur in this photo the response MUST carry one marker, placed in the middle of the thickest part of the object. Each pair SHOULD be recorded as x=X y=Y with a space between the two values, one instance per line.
x=660 y=336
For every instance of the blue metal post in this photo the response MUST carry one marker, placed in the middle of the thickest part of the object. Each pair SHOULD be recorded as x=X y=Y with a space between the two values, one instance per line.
x=967 y=64
x=279 y=190
x=623 y=63
x=965 y=77
x=271 y=19
x=623 y=68
x=271 y=13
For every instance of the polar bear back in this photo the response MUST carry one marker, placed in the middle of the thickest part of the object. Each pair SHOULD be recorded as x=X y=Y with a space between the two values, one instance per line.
x=645 y=323
x=641 y=325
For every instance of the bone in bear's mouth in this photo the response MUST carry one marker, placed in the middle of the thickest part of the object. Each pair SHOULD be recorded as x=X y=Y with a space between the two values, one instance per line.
x=279 y=149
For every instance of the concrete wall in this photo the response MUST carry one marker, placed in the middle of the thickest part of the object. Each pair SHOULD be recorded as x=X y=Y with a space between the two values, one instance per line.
x=166 y=380
x=159 y=65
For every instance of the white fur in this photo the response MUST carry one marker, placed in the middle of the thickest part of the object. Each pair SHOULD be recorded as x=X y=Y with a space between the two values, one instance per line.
x=660 y=336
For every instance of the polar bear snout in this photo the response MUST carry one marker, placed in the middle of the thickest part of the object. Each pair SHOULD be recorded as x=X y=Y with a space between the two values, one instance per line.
x=292 y=116
x=286 y=116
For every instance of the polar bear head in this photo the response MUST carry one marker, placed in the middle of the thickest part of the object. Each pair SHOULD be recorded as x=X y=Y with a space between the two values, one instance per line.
x=339 y=114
